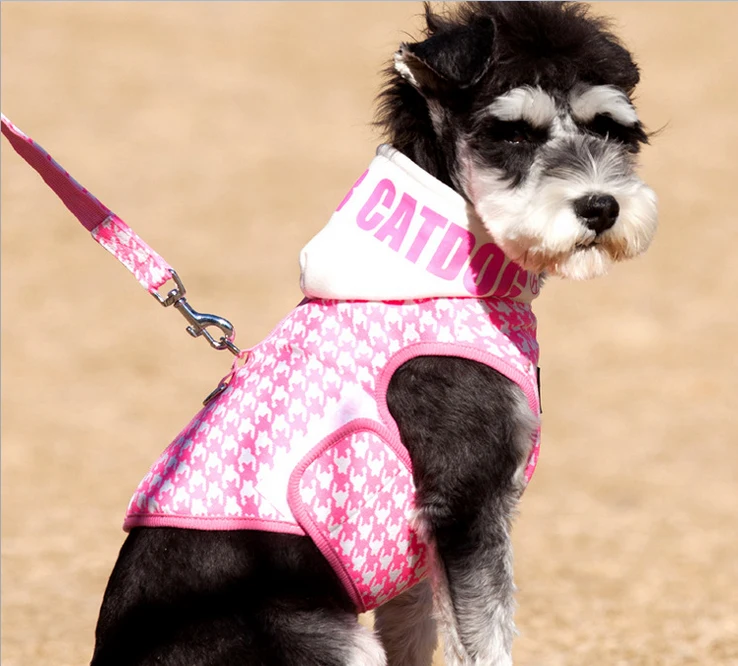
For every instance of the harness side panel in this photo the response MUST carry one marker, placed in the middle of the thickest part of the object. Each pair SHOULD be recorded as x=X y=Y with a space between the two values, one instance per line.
x=354 y=496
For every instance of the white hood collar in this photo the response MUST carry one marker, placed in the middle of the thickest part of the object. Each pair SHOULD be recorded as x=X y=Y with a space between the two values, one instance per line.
x=401 y=234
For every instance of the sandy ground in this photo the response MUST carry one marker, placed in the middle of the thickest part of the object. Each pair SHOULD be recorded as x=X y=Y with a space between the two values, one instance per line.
x=226 y=134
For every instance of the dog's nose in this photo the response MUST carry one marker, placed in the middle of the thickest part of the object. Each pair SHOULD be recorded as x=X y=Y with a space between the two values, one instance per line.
x=599 y=211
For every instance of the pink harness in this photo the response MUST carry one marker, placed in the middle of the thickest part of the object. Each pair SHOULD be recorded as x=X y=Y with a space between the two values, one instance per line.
x=300 y=440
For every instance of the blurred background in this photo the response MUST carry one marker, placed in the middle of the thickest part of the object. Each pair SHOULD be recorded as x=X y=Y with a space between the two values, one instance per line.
x=226 y=134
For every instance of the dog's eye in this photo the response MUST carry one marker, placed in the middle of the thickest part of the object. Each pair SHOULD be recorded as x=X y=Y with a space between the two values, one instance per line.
x=520 y=132
x=516 y=132
x=517 y=137
x=610 y=129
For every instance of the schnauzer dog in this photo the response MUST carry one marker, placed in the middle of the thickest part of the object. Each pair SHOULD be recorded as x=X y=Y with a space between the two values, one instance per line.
x=513 y=141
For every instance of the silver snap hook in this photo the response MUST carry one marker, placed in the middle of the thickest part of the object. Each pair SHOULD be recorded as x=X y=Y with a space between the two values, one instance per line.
x=199 y=322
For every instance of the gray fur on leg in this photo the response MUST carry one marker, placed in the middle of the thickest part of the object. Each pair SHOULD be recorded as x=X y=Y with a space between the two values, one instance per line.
x=476 y=612
x=474 y=595
x=407 y=627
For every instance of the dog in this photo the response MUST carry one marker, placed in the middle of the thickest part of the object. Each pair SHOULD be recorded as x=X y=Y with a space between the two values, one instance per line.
x=512 y=153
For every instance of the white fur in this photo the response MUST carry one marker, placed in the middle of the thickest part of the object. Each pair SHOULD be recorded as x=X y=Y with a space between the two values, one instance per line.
x=536 y=226
x=527 y=423
x=527 y=103
x=563 y=126
x=586 y=103
x=367 y=650
x=402 y=68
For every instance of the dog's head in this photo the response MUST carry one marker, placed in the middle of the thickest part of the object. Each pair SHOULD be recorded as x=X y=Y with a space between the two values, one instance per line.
x=525 y=109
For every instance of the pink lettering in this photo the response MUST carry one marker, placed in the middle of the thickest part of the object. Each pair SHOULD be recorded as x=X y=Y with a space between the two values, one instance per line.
x=453 y=250
x=399 y=222
x=431 y=222
x=512 y=282
x=384 y=195
x=351 y=191
x=484 y=269
x=535 y=283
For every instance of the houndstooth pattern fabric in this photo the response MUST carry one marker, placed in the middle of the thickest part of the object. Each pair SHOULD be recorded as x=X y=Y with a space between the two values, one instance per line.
x=357 y=496
x=126 y=246
x=302 y=441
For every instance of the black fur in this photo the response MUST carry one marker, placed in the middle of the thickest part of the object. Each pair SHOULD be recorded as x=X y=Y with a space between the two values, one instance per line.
x=631 y=137
x=480 y=50
x=196 y=598
x=443 y=430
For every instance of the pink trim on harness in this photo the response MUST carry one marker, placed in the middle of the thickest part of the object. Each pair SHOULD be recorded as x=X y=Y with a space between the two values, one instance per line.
x=301 y=440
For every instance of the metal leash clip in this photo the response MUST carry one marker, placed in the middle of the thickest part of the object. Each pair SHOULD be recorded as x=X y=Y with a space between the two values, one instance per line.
x=199 y=322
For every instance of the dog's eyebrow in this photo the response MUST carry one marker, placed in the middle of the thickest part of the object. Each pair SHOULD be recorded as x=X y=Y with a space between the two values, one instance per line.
x=602 y=100
x=525 y=103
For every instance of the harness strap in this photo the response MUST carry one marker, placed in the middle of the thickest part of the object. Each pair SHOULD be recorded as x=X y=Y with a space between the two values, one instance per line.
x=147 y=266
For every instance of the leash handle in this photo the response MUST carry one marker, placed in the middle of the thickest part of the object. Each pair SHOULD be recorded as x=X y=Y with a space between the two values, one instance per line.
x=147 y=265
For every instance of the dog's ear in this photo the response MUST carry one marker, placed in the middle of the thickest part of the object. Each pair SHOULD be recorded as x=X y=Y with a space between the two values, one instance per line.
x=450 y=59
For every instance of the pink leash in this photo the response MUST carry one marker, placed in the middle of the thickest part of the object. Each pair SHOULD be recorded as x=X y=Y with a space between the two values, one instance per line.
x=147 y=266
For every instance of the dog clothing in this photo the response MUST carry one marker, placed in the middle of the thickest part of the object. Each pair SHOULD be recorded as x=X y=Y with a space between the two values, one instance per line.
x=301 y=440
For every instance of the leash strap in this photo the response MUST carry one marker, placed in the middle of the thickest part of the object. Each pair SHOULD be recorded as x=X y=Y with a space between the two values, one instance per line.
x=147 y=266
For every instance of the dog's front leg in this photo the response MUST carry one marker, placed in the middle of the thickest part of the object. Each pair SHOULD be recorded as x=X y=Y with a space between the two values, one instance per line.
x=468 y=431
x=474 y=589
x=407 y=627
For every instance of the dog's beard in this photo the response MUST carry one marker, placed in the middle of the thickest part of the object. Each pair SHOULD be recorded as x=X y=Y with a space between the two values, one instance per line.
x=534 y=223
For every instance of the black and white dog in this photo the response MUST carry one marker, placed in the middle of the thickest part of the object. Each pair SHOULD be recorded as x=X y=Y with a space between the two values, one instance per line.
x=523 y=109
